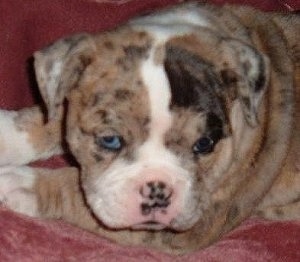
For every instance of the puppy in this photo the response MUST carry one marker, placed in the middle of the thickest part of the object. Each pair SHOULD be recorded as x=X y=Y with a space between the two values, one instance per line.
x=183 y=123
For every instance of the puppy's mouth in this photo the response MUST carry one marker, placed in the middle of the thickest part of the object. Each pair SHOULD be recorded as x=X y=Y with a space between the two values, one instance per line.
x=149 y=225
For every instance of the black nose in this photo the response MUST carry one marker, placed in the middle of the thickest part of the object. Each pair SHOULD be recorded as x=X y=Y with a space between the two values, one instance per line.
x=156 y=195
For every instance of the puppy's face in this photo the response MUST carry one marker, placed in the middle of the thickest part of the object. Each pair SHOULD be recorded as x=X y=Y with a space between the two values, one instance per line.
x=155 y=123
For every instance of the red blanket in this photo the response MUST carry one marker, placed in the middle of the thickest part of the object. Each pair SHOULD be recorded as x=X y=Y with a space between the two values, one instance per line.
x=26 y=26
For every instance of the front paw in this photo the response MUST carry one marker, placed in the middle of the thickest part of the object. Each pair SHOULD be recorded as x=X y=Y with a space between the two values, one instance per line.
x=17 y=190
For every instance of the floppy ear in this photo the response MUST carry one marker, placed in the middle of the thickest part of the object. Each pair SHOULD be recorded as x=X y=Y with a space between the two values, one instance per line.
x=253 y=70
x=58 y=68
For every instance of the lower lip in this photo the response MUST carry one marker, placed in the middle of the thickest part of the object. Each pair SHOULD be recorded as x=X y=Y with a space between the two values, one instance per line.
x=149 y=225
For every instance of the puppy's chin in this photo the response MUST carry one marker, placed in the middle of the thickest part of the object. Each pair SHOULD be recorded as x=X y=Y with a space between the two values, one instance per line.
x=156 y=226
x=150 y=225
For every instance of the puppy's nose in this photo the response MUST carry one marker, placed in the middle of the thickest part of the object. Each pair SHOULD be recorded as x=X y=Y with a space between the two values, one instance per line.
x=156 y=195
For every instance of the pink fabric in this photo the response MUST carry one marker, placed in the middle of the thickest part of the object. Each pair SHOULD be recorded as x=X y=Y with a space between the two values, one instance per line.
x=29 y=25
x=24 y=239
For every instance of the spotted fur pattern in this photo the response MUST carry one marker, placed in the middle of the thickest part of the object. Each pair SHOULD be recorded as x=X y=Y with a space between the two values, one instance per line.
x=205 y=101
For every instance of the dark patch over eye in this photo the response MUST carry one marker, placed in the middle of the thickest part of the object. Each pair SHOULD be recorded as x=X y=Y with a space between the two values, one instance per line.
x=112 y=143
x=214 y=127
x=193 y=81
x=213 y=133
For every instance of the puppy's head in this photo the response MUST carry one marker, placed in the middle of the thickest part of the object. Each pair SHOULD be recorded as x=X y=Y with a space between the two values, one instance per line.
x=156 y=123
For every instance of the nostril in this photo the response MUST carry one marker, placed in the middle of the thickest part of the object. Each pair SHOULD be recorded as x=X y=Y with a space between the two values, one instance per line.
x=161 y=185
x=155 y=190
x=146 y=209
x=161 y=196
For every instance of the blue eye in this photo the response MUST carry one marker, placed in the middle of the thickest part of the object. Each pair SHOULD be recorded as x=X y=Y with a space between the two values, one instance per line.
x=203 y=145
x=113 y=143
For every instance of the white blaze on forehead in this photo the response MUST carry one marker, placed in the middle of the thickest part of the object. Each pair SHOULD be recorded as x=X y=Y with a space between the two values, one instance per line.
x=158 y=87
x=162 y=27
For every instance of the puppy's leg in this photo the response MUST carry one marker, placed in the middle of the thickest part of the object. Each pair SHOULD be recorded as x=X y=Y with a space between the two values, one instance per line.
x=287 y=212
x=46 y=193
x=17 y=189
x=24 y=137
x=283 y=200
